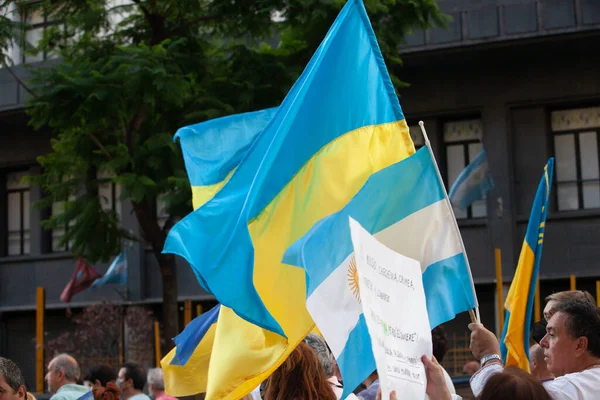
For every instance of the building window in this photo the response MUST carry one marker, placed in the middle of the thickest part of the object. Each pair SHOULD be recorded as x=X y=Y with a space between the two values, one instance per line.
x=109 y=194
x=36 y=22
x=575 y=134
x=416 y=136
x=161 y=212
x=462 y=140
x=18 y=208
x=57 y=233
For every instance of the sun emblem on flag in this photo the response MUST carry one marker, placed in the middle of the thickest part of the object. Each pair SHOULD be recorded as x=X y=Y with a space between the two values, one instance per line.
x=353 y=278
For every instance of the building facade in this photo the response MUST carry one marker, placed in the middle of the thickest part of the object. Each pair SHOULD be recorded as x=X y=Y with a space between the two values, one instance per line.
x=516 y=77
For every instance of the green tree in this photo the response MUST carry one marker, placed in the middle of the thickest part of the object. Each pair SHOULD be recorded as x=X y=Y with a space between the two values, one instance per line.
x=129 y=73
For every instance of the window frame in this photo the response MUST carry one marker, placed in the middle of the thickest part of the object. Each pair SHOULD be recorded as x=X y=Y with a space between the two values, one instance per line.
x=7 y=232
x=44 y=24
x=465 y=143
x=578 y=168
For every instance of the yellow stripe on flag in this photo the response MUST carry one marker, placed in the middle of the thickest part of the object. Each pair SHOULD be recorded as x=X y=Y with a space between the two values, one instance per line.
x=516 y=303
x=202 y=194
x=192 y=377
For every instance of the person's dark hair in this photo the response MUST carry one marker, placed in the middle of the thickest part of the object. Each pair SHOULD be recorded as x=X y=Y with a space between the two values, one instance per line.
x=538 y=330
x=136 y=373
x=440 y=342
x=11 y=373
x=300 y=377
x=582 y=295
x=583 y=320
x=102 y=373
x=513 y=383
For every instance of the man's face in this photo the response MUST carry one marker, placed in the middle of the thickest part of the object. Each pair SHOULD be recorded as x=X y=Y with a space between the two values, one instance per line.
x=53 y=378
x=122 y=383
x=8 y=393
x=559 y=347
x=549 y=309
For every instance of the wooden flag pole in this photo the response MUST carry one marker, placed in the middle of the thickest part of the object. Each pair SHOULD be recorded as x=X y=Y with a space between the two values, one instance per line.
x=198 y=310
x=598 y=293
x=499 y=289
x=157 y=343
x=187 y=312
x=39 y=339
x=573 y=282
x=475 y=317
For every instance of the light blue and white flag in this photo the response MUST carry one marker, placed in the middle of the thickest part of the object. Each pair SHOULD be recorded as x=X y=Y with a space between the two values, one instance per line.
x=473 y=183
x=116 y=273
x=406 y=208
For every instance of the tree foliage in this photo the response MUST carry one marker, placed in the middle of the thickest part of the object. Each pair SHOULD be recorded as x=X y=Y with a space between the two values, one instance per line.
x=130 y=72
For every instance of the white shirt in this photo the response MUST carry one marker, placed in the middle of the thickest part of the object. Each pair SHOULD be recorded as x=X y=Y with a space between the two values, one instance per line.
x=576 y=386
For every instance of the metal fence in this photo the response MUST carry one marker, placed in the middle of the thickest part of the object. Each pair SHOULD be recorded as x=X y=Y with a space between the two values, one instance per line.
x=458 y=354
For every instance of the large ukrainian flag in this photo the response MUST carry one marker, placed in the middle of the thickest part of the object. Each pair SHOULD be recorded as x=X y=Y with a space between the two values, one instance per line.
x=514 y=345
x=339 y=124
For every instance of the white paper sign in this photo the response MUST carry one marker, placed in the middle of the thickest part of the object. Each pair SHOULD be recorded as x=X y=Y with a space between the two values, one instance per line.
x=393 y=301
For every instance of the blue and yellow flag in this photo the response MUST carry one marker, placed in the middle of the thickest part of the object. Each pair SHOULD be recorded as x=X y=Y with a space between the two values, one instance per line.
x=519 y=302
x=213 y=149
x=186 y=366
x=339 y=124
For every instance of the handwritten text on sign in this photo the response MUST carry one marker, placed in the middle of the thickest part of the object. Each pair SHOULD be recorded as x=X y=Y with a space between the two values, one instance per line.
x=393 y=301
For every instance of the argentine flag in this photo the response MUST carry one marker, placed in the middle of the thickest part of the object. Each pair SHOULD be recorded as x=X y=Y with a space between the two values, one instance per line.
x=473 y=183
x=406 y=208
x=116 y=273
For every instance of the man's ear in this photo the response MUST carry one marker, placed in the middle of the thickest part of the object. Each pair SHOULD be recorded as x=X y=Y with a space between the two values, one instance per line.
x=581 y=346
x=22 y=392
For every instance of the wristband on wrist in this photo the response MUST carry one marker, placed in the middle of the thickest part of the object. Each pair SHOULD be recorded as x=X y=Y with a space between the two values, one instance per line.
x=490 y=357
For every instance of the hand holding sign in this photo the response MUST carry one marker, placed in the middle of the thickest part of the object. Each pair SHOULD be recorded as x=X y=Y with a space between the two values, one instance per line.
x=393 y=301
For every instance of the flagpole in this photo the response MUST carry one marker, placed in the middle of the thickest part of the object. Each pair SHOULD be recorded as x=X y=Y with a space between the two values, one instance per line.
x=475 y=317
x=39 y=339
x=499 y=289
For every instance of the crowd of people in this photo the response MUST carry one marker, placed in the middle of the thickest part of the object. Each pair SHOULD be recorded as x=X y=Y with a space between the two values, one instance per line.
x=65 y=382
x=564 y=362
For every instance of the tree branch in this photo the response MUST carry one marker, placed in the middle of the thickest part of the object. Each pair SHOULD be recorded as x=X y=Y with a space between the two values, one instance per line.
x=191 y=22
x=20 y=81
x=169 y=223
x=144 y=9
x=133 y=128
x=97 y=142
x=123 y=127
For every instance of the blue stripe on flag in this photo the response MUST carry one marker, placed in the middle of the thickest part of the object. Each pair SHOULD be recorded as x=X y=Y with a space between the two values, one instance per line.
x=450 y=281
x=357 y=357
x=187 y=341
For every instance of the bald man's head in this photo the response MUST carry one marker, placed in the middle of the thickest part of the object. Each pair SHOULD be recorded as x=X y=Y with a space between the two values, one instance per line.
x=62 y=370
x=536 y=353
x=539 y=368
